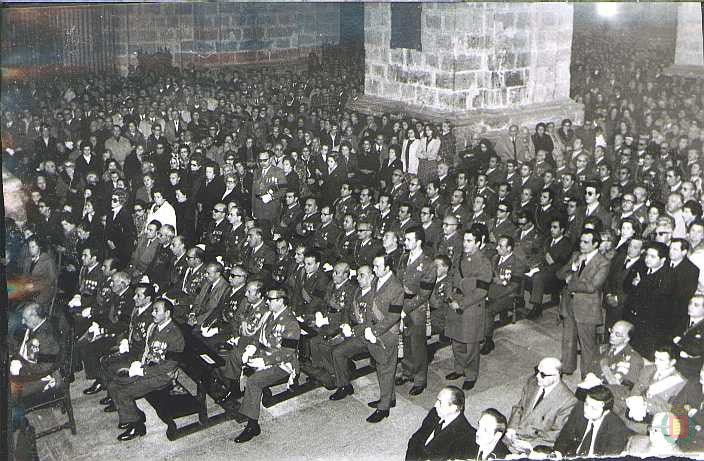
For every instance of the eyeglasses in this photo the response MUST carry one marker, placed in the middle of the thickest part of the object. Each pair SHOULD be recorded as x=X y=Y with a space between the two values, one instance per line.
x=138 y=210
x=522 y=223
x=326 y=214
x=542 y=374
x=664 y=232
x=215 y=210
x=449 y=224
x=263 y=159
x=273 y=299
x=236 y=275
x=114 y=199
x=396 y=175
x=503 y=210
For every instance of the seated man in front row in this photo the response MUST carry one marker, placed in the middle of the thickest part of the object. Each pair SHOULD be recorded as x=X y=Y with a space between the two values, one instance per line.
x=273 y=357
x=540 y=414
x=153 y=370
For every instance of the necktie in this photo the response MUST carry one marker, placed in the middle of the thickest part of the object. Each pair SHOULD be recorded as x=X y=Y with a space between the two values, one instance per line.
x=185 y=279
x=581 y=267
x=583 y=448
x=541 y=396
x=438 y=428
x=691 y=323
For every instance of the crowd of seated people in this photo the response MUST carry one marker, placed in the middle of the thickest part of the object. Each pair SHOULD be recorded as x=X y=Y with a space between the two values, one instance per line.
x=252 y=206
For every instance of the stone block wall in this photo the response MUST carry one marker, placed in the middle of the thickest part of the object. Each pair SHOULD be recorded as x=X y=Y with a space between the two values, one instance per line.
x=474 y=56
x=215 y=34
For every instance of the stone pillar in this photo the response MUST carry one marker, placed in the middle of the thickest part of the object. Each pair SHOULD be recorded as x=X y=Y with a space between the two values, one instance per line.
x=483 y=66
x=689 y=49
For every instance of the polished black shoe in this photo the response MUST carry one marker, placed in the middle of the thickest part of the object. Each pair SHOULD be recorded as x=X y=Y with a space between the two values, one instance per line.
x=134 y=431
x=342 y=392
x=111 y=408
x=375 y=404
x=535 y=313
x=107 y=400
x=487 y=347
x=454 y=375
x=377 y=416
x=416 y=390
x=142 y=420
x=401 y=380
x=249 y=432
x=468 y=385
x=94 y=388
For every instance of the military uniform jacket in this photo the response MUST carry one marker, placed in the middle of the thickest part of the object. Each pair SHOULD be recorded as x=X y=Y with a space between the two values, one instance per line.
x=324 y=240
x=441 y=293
x=451 y=247
x=384 y=223
x=504 y=227
x=229 y=309
x=529 y=245
x=39 y=353
x=361 y=314
x=418 y=279
x=343 y=207
x=692 y=340
x=159 y=270
x=137 y=328
x=156 y=359
x=367 y=214
x=460 y=212
x=345 y=246
x=623 y=366
x=658 y=393
x=178 y=271
x=506 y=276
x=338 y=303
x=88 y=283
x=278 y=341
x=273 y=182
x=208 y=300
x=306 y=227
x=290 y=216
x=259 y=260
x=215 y=234
x=234 y=243
x=281 y=268
x=248 y=318
x=387 y=306
x=313 y=287
x=193 y=280
x=439 y=205
x=470 y=282
x=114 y=318
x=365 y=252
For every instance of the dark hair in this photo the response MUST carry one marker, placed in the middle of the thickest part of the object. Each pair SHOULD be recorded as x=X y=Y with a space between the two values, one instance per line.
x=417 y=231
x=666 y=347
x=509 y=240
x=148 y=288
x=602 y=393
x=444 y=260
x=456 y=397
x=695 y=207
x=479 y=231
x=634 y=223
x=684 y=243
x=659 y=247
x=168 y=305
x=312 y=254
x=596 y=238
x=501 y=423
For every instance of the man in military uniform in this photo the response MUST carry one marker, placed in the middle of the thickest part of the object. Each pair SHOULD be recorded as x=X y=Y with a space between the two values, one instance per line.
x=465 y=318
x=392 y=249
x=366 y=248
x=439 y=297
x=272 y=358
x=112 y=321
x=414 y=196
x=89 y=278
x=325 y=236
x=179 y=263
x=306 y=226
x=216 y=231
x=507 y=270
x=417 y=274
x=193 y=280
x=366 y=212
x=338 y=302
x=159 y=270
x=347 y=239
x=268 y=187
x=217 y=328
x=312 y=286
x=290 y=216
x=259 y=258
x=450 y=244
x=130 y=343
x=153 y=369
x=386 y=218
x=236 y=237
x=284 y=261
x=344 y=205
x=378 y=332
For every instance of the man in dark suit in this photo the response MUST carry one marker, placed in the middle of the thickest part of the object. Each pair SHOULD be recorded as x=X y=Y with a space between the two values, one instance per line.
x=556 y=252
x=685 y=276
x=41 y=270
x=268 y=186
x=445 y=432
x=580 y=308
x=592 y=429
x=151 y=371
x=622 y=264
x=690 y=343
x=120 y=232
x=207 y=303
x=491 y=428
x=649 y=300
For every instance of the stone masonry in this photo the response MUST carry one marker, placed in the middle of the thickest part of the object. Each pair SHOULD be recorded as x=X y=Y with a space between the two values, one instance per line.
x=483 y=66
x=215 y=34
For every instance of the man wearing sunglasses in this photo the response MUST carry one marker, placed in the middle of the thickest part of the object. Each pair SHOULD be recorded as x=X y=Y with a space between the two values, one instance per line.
x=540 y=414
x=268 y=187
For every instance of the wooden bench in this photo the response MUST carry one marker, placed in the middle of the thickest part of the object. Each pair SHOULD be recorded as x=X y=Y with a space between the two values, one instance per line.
x=198 y=362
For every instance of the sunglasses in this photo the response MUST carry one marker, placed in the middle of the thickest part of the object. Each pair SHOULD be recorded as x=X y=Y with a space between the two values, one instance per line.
x=541 y=374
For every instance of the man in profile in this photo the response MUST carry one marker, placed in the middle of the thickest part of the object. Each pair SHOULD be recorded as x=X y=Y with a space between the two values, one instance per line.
x=445 y=432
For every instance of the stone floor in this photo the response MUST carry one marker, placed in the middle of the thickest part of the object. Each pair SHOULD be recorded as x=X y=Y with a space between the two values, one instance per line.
x=310 y=426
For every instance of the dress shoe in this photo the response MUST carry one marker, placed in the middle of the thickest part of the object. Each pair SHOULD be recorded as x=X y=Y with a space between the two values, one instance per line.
x=111 y=408
x=142 y=419
x=94 y=388
x=342 y=392
x=487 y=347
x=535 y=313
x=375 y=404
x=468 y=385
x=401 y=380
x=107 y=400
x=249 y=432
x=416 y=390
x=377 y=416
x=134 y=431
x=454 y=375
